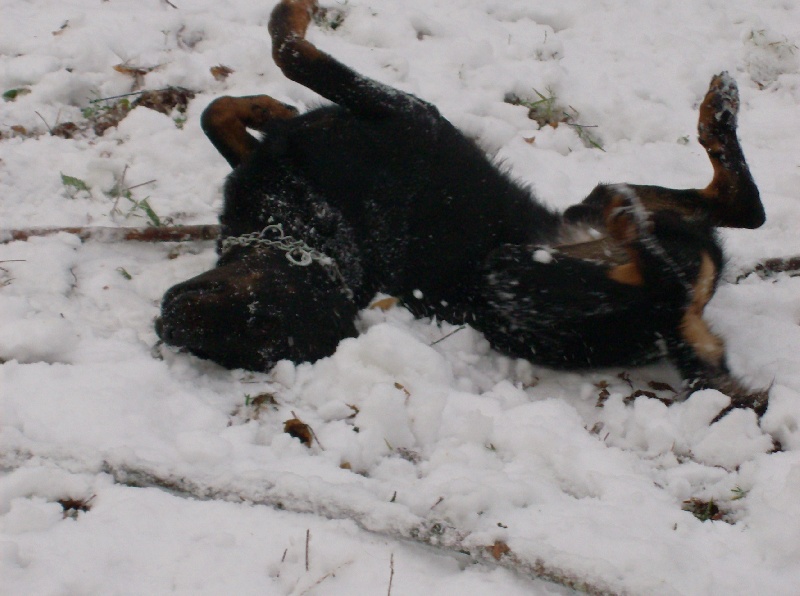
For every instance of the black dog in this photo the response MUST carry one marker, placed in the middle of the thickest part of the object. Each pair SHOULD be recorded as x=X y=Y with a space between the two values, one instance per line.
x=380 y=193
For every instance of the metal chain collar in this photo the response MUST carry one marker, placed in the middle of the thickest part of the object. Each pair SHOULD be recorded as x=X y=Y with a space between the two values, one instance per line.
x=298 y=252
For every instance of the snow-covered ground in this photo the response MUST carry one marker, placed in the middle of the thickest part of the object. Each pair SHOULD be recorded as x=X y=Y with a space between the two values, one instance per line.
x=423 y=448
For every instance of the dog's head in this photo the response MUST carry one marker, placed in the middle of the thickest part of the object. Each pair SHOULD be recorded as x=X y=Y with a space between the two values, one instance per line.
x=256 y=308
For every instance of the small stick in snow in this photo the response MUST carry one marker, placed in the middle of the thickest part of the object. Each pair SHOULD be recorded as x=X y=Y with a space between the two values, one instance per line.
x=324 y=577
x=445 y=539
x=110 y=234
x=456 y=330
x=391 y=574
x=189 y=233
x=308 y=539
x=283 y=558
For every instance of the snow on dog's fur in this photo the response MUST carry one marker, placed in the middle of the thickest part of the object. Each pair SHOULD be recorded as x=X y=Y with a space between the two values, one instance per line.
x=380 y=193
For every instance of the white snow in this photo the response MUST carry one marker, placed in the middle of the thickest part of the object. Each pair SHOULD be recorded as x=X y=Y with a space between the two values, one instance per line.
x=416 y=440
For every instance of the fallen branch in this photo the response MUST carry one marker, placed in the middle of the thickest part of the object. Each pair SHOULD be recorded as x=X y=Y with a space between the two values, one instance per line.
x=109 y=234
x=764 y=269
x=427 y=532
x=391 y=574
x=382 y=519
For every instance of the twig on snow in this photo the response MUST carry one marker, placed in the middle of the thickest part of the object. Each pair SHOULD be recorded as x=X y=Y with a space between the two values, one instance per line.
x=331 y=573
x=391 y=574
x=453 y=332
x=398 y=525
x=110 y=234
x=308 y=539
x=187 y=233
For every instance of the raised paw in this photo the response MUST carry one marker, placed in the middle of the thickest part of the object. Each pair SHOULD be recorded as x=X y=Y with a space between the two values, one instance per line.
x=718 y=112
x=290 y=19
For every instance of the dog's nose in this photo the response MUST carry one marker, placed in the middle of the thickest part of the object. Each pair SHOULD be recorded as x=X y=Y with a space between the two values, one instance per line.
x=184 y=306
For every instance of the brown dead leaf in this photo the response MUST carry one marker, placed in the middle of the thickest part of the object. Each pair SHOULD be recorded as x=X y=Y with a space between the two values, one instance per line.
x=639 y=393
x=299 y=430
x=598 y=426
x=136 y=72
x=704 y=510
x=602 y=397
x=263 y=399
x=165 y=100
x=65 y=130
x=385 y=303
x=260 y=402
x=403 y=389
x=221 y=72
x=409 y=455
x=657 y=386
x=498 y=549
x=72 y=507
x=61 y=29
x=108 y=117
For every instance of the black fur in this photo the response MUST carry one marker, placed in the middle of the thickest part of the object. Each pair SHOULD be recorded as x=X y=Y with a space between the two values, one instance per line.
x=398 y=201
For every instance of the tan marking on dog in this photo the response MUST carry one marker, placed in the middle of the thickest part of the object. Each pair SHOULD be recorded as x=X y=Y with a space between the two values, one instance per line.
x=622 y=229
x=228 y=118
x=628 y=274
x=287 y=27
x=694 y=329
x=620 y=225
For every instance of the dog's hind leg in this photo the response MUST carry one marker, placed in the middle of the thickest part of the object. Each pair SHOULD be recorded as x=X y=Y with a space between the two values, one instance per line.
x=226 y=120
x=678 y=265
x=730 y=200
x=303 y=63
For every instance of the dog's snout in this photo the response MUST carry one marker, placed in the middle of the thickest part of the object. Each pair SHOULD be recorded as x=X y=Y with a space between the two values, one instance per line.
x=181 y=310
x=194 y=289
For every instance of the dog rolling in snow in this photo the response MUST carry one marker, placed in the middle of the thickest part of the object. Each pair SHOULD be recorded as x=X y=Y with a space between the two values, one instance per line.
x=379 y=193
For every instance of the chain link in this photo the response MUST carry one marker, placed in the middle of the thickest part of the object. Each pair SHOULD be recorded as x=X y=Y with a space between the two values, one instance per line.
x=297 y=252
